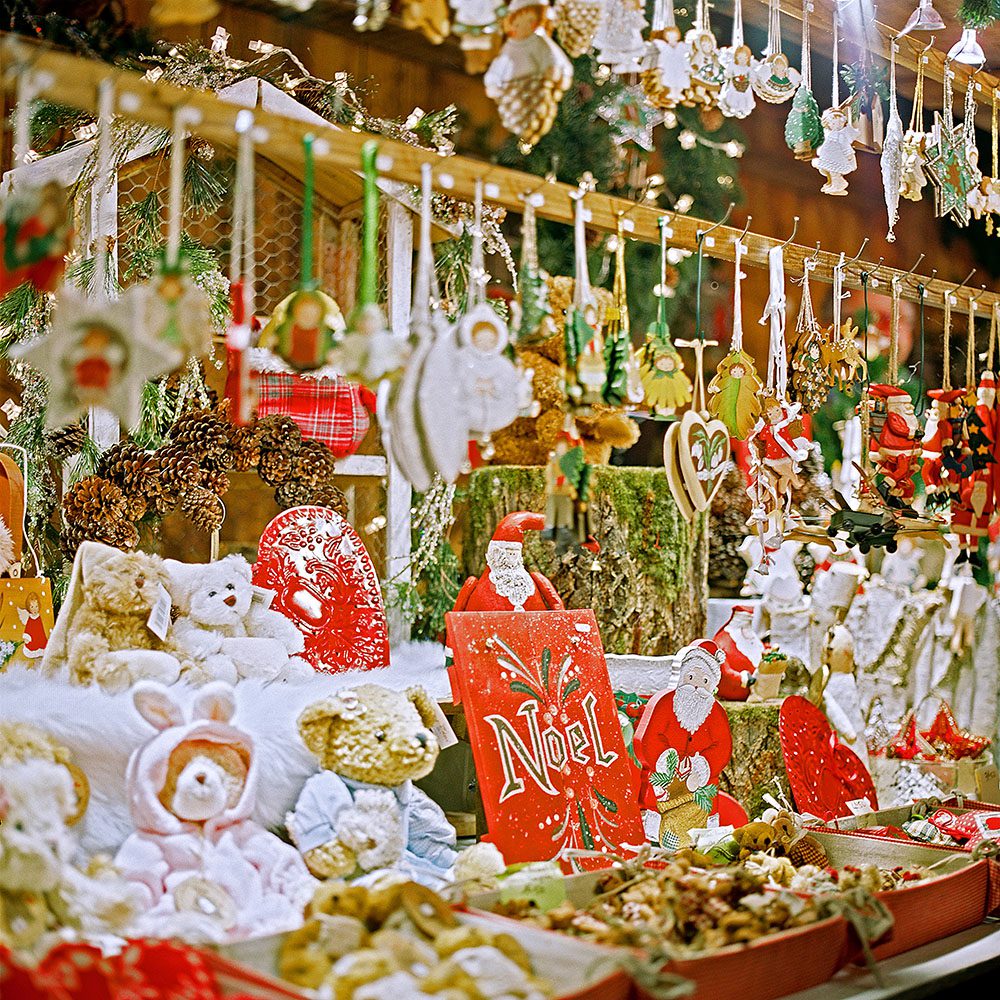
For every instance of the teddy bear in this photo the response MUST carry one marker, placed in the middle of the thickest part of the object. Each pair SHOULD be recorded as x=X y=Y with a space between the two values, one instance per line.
x=207 y=871
x=104 y=632
x=754 y=837
x=529 y=440
x=227 y=632
x=362 y=812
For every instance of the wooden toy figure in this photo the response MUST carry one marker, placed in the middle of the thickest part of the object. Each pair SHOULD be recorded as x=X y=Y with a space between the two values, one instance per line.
x=896 y=449
x=973 y=508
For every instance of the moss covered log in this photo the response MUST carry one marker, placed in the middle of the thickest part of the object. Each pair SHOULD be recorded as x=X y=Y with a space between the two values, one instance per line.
x=757 y=759
x=649 y=584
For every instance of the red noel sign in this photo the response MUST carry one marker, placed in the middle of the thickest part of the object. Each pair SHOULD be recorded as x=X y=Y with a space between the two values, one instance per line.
x=552 y=766
x=324 y=581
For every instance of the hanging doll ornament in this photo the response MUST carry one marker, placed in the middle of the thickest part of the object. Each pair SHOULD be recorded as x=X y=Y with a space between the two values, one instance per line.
x=36 y=230
x=305 y=325
x=369 y=351
x=98 y=351
x=733 y=392
x=736 y=98
x=804 y=126
x=531 y=315
x=666 y=385
x=809 y=384
x=177 y=309
x=835 y=157
x=772 y=78
x=577 y=23
x=619 y=42
x=530 y=75
x=707 y=71
x=839 y=350
x=491 y=381
x=423 y=414
x=477 y=25
x=892 y=151
x=666 y=74
x=912 y=179
x=951 y=169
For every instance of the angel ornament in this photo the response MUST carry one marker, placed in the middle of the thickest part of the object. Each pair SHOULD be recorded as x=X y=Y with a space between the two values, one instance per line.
x=912 y=179
x=707 y=72
x=736 y=98
x=773 y=79
x=666 y=76
x=836 y=158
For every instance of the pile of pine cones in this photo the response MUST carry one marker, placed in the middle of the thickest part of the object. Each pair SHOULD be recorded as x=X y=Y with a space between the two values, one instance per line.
x=190 y=472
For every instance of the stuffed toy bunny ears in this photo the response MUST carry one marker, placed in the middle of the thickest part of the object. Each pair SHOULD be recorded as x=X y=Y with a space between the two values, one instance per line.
x=215 y=702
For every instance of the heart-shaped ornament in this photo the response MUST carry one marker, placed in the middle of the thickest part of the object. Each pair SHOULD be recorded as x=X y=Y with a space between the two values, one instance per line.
x=703 y=455
x=675 y=476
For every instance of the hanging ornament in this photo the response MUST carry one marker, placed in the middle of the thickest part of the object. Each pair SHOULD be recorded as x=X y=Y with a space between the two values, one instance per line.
x=840 y=353
x=617 y=329
x=567 y=487
x=736 y=98
x=949 y=166
x=733 y=392
x=892 y=151
x=835 y=156
x=913 y=180
x=306 y=324
x=666 y=74
x=984 y=201
x=809 y=385
x=866 y=83
x=577 y=22
x=369 y=351
x=804 y=126
x=477 y=25
x=98 y=351
x=707 y=72
x=36 y=228
x=531 y=316
x=773 y=79
x=529 y=76
x=429 y=17
x=665 y=383
x=491 y=381
x=618 y=41
x=176 y=308
x=628 y=113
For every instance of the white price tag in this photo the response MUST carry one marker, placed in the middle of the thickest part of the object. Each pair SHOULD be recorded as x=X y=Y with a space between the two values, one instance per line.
x=859 y=807
x=159 y=617
x=262 y=596
x=712 y=822
x=441 y=728
x=988 y=825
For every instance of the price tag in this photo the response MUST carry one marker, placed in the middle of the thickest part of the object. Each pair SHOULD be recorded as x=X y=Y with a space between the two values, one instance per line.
x=159 y=617
x=988 y=824
x=262 y=596
x=441 y=728
x=859 y=807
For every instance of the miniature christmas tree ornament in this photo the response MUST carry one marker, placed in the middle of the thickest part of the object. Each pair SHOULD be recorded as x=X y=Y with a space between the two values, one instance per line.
x=577 y=23
x=804 y=127
x=707 y=71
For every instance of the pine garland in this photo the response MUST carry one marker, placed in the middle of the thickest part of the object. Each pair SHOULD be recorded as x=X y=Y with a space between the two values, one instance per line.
x=979 y=14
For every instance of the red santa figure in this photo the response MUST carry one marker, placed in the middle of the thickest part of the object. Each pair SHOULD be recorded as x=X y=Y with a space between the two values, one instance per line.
x=896 y=449
x=682 y=744
x=743 y=652
x=505 y=584
x=939 y=435
x=973 y=508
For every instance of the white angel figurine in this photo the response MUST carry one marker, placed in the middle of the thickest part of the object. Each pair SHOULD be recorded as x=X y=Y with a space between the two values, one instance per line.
x=736 y=98
x=670 y=58
x=835 y=158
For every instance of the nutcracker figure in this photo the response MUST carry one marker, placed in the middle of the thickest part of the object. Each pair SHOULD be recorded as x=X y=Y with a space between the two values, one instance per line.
x=896 y=449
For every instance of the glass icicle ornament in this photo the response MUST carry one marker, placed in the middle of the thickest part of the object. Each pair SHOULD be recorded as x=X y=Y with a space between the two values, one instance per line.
x=892 y=151
x=666 y=74
x=619 y=42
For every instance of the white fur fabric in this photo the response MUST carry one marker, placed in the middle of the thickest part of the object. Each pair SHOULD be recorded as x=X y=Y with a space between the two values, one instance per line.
x=102 y=730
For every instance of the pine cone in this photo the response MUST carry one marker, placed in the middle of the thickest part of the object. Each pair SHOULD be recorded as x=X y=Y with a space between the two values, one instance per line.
x=132 y=469
x=221 y=461
x=202 y=508
x=93 y=500
x=135 y=507
x=215 y=480
x=201 y=432
x=245 y=443
x=178 y=469
x=328 y=495
x=67 y=441
x=293 y=493
x=274 y=467
x=313 y=463
x=120 y=534
x=279 y=432
x=165 y=503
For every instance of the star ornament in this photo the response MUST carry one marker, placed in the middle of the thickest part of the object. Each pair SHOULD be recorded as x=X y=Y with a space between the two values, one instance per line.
x=951 y=171
x=98 y=353
x=631 y=117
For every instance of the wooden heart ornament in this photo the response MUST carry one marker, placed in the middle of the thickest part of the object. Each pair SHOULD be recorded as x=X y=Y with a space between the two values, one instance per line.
x=675 y=475
x=703 y=454
x=324 y=582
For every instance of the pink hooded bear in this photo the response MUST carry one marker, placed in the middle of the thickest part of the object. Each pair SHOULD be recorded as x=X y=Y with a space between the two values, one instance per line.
x=210 y=871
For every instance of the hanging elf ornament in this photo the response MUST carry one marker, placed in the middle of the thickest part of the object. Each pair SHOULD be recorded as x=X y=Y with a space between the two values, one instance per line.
x=666 y=74
x=835 y=157
x=809 y=384
x=98 y=351
x=531 y=315
x=666 y=385
x=949 y=166
x=36 y=230
x=530 y=75
x=707 y=72
x=892 y=151
x=306 y=324
x=577 y=22
x=913 y=180
x=733 y=392
x=621 y=385
x=491 y=381
x=773 y=79
x=736 y=98
x=618 y=41
x=369 y=351
x=804 y=127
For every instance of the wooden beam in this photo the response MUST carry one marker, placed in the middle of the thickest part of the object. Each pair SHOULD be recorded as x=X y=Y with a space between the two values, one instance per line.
x=74 y=81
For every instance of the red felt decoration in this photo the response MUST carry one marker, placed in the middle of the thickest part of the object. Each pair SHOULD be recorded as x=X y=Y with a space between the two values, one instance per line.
x=324 y=581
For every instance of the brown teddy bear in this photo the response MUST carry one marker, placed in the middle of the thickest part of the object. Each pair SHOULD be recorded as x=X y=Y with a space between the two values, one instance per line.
x=528 y=440
x=104 y=634
x=754 y=837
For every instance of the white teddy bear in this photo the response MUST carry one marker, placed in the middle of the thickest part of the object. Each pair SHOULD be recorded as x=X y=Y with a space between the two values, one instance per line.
x=227 y=633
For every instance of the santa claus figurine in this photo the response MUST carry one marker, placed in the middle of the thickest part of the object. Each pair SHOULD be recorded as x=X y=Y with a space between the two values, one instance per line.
x=939 y=437
x=897 y=447
x=505 y=584
x=743 y=652
x=682 y=744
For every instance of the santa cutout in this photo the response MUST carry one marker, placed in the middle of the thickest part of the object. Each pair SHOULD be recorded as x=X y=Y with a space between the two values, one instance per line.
x=682 y=744
x=505 y=584
x=743 y=650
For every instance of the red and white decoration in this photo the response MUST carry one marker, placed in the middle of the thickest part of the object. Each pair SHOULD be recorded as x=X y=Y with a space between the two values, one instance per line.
x=743 y=650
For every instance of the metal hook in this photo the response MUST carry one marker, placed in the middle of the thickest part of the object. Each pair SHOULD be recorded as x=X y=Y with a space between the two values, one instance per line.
x=795 y=229
x=857 y=256
x=702 y=233
x=916 y=264
x=746 y=229
x=958 y=288
x=871 y=274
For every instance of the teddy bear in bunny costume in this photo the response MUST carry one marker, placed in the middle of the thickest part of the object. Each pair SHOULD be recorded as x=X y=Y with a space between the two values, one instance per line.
x=362 y=812
x=225 y=631
x=209 y=872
